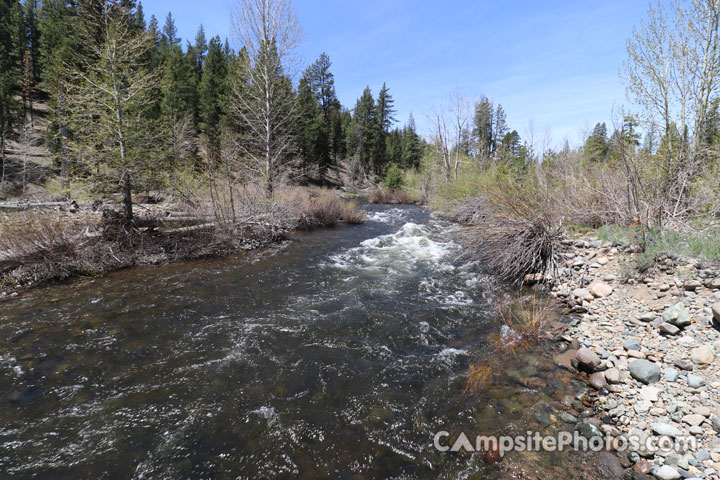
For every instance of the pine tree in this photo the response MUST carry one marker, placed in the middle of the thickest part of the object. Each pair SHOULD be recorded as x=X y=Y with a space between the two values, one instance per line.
x=319 y=110
x=596 y=146
x=200 y=47
x=363 y=131
x=58 y=42
x=211 y=95
x=32 y=34
x=108 y=86
x=501 y=128
x=140 y=17
x=10 y=40
x=169 y=32
x=412 y=147
x=384 y=115
x=483 y=129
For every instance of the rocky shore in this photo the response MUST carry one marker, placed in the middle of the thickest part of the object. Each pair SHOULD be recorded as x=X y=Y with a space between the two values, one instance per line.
x=649 y=346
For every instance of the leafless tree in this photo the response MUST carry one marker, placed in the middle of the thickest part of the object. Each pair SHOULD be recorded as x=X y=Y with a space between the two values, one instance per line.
x=450 y=123
x=263 y=103
x=672 y=72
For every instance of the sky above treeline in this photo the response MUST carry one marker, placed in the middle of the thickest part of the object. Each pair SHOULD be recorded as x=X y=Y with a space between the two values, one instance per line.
x=552 y=62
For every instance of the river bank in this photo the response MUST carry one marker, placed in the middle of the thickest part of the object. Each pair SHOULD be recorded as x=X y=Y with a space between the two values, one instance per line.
x=67 y=240
x=649 y=345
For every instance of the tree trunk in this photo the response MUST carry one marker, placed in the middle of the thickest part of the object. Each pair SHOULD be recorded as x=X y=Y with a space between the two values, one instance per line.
x=64 y=158
x=127 y=198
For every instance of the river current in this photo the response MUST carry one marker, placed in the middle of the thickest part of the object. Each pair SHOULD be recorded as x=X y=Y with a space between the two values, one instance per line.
x=337 y=354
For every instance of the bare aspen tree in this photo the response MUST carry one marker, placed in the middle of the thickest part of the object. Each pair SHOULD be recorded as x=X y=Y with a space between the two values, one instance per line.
x=263 y=102
x=672 y=72
x=108 y=86
x=450 y=123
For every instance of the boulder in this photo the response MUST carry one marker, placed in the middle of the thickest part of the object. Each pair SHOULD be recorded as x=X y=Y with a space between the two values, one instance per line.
x=588 y=360
x=600 y=290
x=581 y=293
x=645 y=371
x=692 y=284
x=716 y=313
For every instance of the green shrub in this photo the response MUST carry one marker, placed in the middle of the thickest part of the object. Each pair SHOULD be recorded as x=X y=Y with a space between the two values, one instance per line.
x=394 y=178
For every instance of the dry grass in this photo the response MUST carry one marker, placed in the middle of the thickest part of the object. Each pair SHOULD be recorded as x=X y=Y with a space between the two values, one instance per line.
x=30 y=237
x=396 y=197
x=525 y=323
x=479 y=378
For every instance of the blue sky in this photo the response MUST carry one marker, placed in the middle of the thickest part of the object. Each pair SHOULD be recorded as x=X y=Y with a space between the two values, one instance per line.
x=555 y=62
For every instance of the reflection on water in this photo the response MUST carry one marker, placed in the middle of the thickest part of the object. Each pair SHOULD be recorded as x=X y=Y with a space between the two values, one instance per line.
x=338 y=354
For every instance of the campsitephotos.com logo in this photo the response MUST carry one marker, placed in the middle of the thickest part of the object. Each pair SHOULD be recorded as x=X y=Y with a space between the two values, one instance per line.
x=443 y=441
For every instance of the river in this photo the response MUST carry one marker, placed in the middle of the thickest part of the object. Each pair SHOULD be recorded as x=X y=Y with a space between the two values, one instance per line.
x=337 y=354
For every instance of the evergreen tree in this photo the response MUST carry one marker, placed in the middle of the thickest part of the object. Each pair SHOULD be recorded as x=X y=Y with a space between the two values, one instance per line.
x=140 y=17
x=483 y=128
x=501 y=128
x=412 y=148
x=321 y=126
x=211 y=95
x=32 y=36
x=384 y=115
x=313 y=134
x=596 y=146
x=362 y=133
x=10 y=28
x=108 y=88
x=169 y=32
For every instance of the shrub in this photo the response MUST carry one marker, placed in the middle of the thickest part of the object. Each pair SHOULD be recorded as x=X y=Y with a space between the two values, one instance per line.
x=394 y=178
x=513 y=232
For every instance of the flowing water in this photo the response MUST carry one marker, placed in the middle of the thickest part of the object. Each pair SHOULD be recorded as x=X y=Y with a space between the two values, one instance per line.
x=338 y=354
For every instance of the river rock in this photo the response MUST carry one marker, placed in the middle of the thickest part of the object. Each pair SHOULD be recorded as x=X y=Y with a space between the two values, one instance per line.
x=686 y=365
x=669 y=329
x=695 y=381
x=649 y=394
x=597 y=380
x=702 y=355
x=600 y=290
x=631 y=344
x=692 y=284
x=670 y=374
x=666 y=472
x=716 y=313
x=612 y=375
x=642 y=466
x=645 y=371
x=588 y=430
x=588 y=359
x=715 y=420
x=677 y=315
x=693 y=419
x=581 y=293
x=666 y=429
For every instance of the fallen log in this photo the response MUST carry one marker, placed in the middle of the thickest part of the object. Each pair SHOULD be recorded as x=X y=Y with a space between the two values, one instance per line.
x=36 y=206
